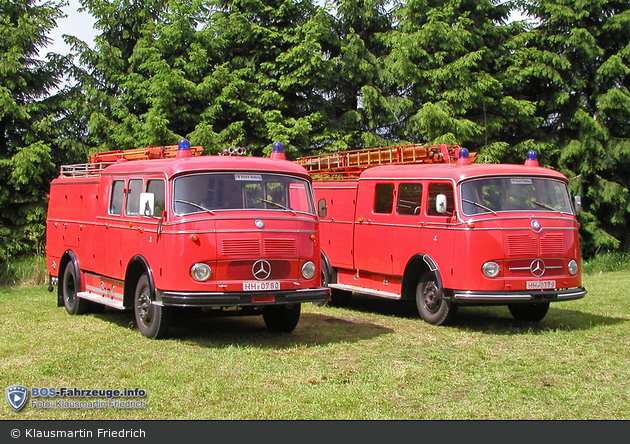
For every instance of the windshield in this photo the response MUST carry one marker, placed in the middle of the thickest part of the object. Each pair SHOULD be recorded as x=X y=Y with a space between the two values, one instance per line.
x=514 y=194
x=212 y=192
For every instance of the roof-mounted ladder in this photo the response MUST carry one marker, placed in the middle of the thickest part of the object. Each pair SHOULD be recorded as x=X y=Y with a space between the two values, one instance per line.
x=150 y=152
x=353 y=162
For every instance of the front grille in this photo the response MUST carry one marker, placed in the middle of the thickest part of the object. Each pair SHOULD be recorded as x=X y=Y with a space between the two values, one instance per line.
x=521 y=245
x=552 y=245
x=530 y=245
x=240 y=247
x=242 y=270
x=285 y=247
x=520 y=268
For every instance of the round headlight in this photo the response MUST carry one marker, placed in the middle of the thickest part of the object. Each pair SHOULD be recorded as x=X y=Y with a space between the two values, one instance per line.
x=308 y=270
x=573 y=267
x=201 y=272
x=490 y=269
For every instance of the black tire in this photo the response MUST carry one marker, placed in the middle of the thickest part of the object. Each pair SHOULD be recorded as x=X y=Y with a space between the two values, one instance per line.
x=152 y=320
x=282 y=318
x=431 y=306
x=69 y=287
x=529 y=312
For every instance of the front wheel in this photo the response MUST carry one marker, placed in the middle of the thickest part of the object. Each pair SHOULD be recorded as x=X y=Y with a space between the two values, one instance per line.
x=153 y=320
x=432 y=307
x=529 y=312
x=70 y=285
x=282 y=318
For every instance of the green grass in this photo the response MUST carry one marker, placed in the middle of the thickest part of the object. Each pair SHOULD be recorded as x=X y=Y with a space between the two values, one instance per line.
x=26 y=270
x=375 y=359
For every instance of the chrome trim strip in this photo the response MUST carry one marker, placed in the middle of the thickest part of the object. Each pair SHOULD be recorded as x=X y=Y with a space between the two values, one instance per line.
x=114 y=303
x=368 y=291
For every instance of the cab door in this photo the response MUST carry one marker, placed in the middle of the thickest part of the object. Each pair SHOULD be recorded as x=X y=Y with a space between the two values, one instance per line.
x=438 y=236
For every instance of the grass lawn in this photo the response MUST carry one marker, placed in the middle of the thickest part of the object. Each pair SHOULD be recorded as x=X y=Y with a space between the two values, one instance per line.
x=374 y=360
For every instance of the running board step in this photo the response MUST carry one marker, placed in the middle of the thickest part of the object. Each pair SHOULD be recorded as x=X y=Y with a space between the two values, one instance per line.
x=101 y=300
x=368 y=291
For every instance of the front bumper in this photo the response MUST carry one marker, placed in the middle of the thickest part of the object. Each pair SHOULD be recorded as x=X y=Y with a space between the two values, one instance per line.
x=506 y=297
x=242 y=299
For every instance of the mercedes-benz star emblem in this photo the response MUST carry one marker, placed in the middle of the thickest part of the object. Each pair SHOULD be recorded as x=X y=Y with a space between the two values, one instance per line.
x=259 y=223
x=537 y=267
x=536 y=225
x=261 y=269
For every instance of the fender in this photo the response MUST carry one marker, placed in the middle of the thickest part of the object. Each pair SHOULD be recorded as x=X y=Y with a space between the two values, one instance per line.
x=62 y=266
x=326 y=269
x=420 y=260
x=135 y=268
x=433 y=267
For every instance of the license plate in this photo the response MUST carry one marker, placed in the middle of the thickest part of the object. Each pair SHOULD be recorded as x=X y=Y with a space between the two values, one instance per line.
x=261 y=285
x=541 y=285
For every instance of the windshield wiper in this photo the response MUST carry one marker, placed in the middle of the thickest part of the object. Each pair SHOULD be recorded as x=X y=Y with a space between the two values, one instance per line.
x=545 y=206
x=276 y=204
x=192 y=204
x=477 y=204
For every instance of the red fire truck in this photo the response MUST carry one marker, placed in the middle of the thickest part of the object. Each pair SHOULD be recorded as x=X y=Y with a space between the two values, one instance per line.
x=426 y=223
x=163 y=227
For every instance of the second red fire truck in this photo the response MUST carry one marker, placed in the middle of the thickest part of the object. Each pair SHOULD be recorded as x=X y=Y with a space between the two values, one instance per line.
x=425 y=223
x=164 y=227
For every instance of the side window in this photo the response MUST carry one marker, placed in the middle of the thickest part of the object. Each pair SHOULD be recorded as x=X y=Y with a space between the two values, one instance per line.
x=133 y=197
x=117 y=197
x=157 y=188
x=384 y=198
x=409 y=198
x=434 y=190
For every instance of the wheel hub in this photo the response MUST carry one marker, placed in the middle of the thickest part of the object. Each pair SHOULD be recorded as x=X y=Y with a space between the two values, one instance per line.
x=144 y=306
x=431 y=296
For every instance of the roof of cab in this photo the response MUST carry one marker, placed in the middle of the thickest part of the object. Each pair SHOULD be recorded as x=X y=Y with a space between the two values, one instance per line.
x=456 y=172
x=176 y=166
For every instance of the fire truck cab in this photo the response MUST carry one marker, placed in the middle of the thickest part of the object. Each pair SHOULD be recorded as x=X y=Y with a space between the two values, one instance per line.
x=163 y=227
x=427 y=224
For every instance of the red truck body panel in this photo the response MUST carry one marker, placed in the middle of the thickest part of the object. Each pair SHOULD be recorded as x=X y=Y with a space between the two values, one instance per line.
x=382 y=232
x=94 y=222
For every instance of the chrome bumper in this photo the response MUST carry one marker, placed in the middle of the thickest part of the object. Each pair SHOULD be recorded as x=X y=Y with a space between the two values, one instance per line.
x=241 y=299
x=506 y=297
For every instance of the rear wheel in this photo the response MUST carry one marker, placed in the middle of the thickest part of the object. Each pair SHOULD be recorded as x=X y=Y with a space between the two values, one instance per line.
x=282 y=318
x=432 y=307
x=69 y=288
x=153 y=320
x=529 y=312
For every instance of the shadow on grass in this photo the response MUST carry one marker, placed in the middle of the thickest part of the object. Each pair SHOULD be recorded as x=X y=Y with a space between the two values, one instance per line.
x=498 y=320
x=205 y=330
x=490 y=319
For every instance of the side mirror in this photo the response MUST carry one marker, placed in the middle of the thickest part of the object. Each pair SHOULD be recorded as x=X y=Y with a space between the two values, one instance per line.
x=440 y=203
x=147 y=204
x=322 y=209
x=577 y=201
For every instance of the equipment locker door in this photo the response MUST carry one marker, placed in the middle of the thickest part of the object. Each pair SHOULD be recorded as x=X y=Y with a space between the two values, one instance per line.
x=373 y=227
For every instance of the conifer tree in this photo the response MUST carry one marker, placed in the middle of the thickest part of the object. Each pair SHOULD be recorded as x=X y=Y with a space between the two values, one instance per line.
x=581 y=76
x=449 y=61
x=30 y=111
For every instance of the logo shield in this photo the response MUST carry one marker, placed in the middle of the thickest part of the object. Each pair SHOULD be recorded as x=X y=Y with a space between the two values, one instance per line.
x=17 y=396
